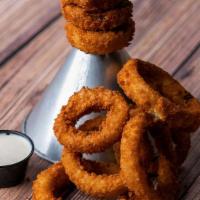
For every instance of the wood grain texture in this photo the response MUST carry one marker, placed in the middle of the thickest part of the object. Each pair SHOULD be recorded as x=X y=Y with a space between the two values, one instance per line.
x=21 y=20
x=189 y=76
x=171 y=37
x=31 y=73
x=77 y=195
x=162 y=37
x=31 y=70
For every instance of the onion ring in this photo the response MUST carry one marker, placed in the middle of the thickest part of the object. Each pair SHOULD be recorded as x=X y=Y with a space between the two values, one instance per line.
x=100 y=42
x=82 y=103
x=103 y=185
x=100 y=21
x=163 y=96
x=145 y=153
x=92 y=4
x=49 y=182
x=97 y=167
x=155 y=90
x=135 y=175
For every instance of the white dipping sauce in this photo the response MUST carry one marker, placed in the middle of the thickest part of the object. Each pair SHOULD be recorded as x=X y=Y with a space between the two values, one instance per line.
x=13 y=149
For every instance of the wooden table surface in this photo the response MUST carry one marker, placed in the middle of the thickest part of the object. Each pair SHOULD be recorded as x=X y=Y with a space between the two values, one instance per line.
x=33 y=47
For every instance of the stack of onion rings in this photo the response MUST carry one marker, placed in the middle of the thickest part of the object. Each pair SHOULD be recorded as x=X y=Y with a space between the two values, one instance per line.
x=98 y=27
x=54 y=181
x=94 y=136
x=100 y=42
x=149 y=147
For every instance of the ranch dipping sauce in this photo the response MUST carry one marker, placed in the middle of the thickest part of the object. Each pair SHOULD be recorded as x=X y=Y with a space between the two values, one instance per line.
x=13 y=148
x=15 y=152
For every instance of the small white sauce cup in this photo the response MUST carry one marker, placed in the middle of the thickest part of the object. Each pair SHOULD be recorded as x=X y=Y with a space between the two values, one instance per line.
x=13 y=174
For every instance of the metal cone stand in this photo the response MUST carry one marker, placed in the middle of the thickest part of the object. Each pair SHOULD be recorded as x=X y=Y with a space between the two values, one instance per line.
x=80 y=70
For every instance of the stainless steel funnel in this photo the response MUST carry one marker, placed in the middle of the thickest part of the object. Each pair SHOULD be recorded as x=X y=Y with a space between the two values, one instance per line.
x=80 y=70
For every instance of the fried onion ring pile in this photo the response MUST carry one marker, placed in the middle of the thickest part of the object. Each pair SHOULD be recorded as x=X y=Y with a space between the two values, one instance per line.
x=150 y=137
x=98 y=31
x=158 y=93
x=96 y=174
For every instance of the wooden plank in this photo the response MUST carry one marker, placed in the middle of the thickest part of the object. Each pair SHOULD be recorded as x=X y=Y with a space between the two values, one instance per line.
x=171 y=38
x=189 y=75
x=24 y=77
x=23 y=69
x=78 y=195
x=193 y=193
x=21 y=20
x=31 y=73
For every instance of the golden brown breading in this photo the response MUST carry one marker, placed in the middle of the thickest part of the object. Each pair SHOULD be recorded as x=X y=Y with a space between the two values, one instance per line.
x=99 y=21
x=92 y=4
x=135 y=175
x=82 y=103
x=158 y=93
x=100 y=42
x=102 y=185
x=145 y=153
x=49 y=182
